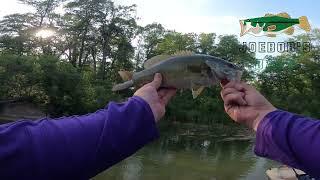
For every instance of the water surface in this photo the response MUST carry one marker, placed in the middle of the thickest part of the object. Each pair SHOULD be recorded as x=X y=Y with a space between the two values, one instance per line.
x=186 y=153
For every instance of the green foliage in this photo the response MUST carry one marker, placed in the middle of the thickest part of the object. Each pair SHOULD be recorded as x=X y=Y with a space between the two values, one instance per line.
x=57 y=86
x=174 y=42
x=206 y=109
x=292 y=81
x=20 y=77
x=73 y=72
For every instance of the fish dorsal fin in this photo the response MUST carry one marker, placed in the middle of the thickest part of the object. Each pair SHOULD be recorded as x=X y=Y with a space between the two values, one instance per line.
x=268 y=15
x=183 y=53
x=284 y=14
x=155 y=60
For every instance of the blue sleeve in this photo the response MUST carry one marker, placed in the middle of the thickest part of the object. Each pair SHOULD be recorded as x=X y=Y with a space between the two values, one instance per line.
x=77 y=147
x=291 y=139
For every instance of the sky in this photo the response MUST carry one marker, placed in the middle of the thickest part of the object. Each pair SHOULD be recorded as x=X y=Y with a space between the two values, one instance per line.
x=218 y=16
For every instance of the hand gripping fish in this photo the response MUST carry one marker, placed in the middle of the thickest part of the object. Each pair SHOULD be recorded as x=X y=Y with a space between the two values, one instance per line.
x=271 y=25
x=183 y=70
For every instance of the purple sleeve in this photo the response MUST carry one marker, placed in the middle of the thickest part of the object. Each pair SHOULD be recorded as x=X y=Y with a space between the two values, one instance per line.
x=77 y=147
x=291 y=139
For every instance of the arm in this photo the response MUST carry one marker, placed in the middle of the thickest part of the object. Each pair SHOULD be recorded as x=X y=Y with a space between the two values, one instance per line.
x=77 y=147
x=80 y=147
x=282 y=136
x=291 y=139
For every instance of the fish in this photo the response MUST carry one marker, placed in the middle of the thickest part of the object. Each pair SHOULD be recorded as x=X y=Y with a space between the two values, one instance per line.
x=270 y=25
x=182 y=70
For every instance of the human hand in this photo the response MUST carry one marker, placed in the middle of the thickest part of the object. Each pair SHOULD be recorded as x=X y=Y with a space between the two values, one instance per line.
x=155 y=97
x=244 y=104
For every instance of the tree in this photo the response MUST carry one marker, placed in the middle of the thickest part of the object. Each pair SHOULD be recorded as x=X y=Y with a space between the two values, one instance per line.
x=44 y=10
x=292 y=80
x=206 y=43
x=15 y=33
x=114 y=21
x=148 y=37
x=174 y=42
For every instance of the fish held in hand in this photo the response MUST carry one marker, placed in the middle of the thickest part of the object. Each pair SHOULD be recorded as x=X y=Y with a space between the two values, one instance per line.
x=183 y=70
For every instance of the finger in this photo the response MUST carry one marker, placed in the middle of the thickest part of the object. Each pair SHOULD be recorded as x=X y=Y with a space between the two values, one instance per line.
x=227 y=91
x=156 y=83
x=235 y=98
x=229 y=84
x=162 y=91
x=167 y=94
x=224 y=82
x=246 y=86
x=234 y=112
x=237 y=85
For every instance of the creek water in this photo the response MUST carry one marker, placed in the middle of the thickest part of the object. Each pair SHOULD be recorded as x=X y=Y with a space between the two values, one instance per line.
x=189 y=153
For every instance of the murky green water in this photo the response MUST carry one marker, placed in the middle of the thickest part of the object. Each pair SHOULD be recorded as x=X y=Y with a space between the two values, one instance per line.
x=187 y=154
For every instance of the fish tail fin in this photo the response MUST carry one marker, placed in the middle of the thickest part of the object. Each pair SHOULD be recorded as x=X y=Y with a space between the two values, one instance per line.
x=242 y=26
x=304 y=23
x=122 y=86
x=125 y=75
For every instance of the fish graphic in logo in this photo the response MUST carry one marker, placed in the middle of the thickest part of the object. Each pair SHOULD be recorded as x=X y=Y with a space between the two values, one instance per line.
x=270 y=25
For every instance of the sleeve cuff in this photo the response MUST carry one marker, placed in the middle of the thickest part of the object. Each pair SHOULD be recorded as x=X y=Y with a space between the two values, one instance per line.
x=264 y=134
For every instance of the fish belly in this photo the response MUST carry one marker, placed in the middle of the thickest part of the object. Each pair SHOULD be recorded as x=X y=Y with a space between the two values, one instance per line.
x=186 y=80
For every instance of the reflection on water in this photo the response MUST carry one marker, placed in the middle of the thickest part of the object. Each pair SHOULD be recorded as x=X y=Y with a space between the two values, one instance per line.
x=188 y=157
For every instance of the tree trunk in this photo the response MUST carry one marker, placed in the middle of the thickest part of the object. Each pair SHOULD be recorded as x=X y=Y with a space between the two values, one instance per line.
x=83 y=39
x=85 y=58
x=104 y=60
x=93 y=54
x=74 y=56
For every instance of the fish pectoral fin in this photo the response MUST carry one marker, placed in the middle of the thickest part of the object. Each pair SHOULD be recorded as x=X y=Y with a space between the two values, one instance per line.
x=242 y=27
x=289 y=31
x=272 y=27
x=125 y=75
x=197 y=91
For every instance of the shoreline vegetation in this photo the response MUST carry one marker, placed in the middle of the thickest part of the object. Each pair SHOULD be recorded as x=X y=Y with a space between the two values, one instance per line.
x=72 y=70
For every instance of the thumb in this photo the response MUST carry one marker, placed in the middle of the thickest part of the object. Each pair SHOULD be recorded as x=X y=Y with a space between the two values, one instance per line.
x=156 y=83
